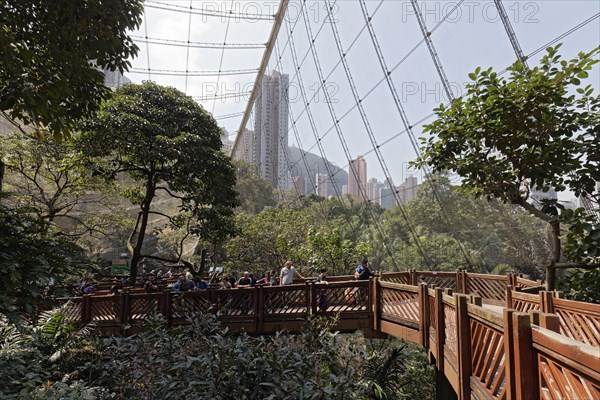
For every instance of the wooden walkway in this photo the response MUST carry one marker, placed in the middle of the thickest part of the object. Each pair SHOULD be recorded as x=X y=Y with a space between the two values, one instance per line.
x=539 y=346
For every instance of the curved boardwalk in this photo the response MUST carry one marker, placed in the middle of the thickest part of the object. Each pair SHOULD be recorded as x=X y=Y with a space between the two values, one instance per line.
x=488 y=337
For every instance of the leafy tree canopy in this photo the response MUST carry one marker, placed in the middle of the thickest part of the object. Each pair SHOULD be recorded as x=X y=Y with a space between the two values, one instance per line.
x=255 y=192
x=51 y=52
x=166 y=143
x=30 y=259
x=535 y=129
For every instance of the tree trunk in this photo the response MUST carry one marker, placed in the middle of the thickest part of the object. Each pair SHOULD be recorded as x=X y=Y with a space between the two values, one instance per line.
x=137 y=250
x=550 y=269
x=2 y=168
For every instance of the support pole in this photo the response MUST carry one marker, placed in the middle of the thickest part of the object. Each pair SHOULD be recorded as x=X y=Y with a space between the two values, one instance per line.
x=261 y=71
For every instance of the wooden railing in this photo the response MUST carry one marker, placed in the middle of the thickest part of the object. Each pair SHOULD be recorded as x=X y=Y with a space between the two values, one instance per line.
x=489 y=341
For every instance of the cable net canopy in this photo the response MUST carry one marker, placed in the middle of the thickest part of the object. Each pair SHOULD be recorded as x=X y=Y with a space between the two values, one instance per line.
x=348 y=85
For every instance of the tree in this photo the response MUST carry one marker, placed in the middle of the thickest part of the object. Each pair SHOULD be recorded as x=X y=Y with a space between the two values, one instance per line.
x=32 y=257
x=508 y=136
x=166 y=143
x=326 y=249
x=268 y=239
x=255 y=192
x=498 y=233
x=52 y=53
x=48 y=176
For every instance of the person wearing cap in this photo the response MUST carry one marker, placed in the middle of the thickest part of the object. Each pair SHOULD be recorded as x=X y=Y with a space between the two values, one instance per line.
x=362 y=270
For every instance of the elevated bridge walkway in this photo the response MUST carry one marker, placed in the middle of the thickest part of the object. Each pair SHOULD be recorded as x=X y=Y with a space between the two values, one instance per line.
x=489 y=336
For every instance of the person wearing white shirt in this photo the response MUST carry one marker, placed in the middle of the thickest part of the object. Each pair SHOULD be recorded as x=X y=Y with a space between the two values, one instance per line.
x=288 y=273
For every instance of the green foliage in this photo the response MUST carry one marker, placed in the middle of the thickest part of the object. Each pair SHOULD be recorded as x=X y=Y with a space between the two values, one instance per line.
x=52 y=178
x=399 y=371
x=267 y=239
x=325 y=248
x=581 y=285
x=583 y=237
x=31 y=258
x=167 y=144
x=535 y=129
x=455 y=229
x=31 y=359
x=507 y=136
x=47 y=54
x=204 y=361
x=301 y=233
x=255 y=192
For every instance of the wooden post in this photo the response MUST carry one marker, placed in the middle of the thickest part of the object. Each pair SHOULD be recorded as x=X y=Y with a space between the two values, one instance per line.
x=448 y=291
x=458 y=281
x=412 y=277
x=370 y=299
x=86 y=309
x=465 y=282
x=477 y=300
x=464 y=346
x=512 y=279
x=441 y=329
x=424 y=314
x=375 y=301
x=309 y=298
x=509 y=302
x=525 y=366
x=313 y=299
x=123 y=307
x=547 y=304
x=509 y=355
x=259 y=293
x=545 y=320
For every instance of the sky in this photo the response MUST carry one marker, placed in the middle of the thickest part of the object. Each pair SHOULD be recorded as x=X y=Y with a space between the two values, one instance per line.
x=465 y=34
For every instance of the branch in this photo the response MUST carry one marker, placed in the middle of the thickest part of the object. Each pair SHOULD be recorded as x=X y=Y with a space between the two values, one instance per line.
x=532 y=210
x=574 y=265
x=185 y=263
x=130 y=238
x=187 y=234
x=169 y=192
x=89 y=229
x=14 y=123
x=163 y=215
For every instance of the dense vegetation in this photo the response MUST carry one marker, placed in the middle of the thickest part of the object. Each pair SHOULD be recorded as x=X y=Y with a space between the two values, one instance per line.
x=65 y=201
x=202 y=361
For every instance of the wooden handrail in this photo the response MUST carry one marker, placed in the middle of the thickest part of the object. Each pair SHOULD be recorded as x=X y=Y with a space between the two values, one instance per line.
x=482 y=352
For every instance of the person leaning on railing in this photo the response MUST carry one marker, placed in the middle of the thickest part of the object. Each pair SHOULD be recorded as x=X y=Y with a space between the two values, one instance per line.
x=182 y=285
x=288 y=273
x=151 y=286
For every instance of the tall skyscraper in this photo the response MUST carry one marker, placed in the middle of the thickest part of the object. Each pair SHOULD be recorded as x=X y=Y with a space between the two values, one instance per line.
x=371 y=188
x=299 y=184
x=322 y=182
x=357 y=178
x=246 y=150
x=271 y=130
x=227 y=144
x=408 y=189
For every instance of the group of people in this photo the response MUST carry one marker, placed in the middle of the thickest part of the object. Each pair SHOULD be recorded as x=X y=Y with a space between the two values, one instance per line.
x=187 y=281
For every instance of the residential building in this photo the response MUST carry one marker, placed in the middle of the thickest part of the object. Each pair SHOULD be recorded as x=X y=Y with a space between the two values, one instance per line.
x=299 y=184
x=270 y=145
x=321 y=181
x=357 y=178
x=407 y=191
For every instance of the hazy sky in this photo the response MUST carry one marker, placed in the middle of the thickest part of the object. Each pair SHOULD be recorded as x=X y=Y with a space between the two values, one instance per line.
x=471 y=36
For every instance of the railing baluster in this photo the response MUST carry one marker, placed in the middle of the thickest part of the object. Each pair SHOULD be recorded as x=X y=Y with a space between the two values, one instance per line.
x=464 y=346
x=524 y=367
x=424 y=314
